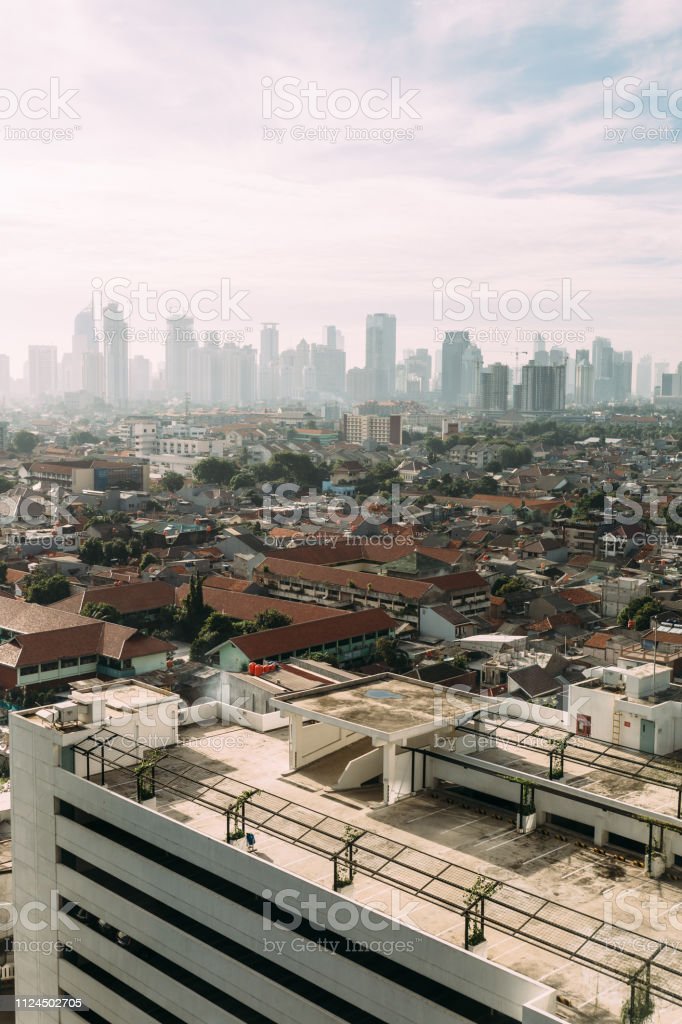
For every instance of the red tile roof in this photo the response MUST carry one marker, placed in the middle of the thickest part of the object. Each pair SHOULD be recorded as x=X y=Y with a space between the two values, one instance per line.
x=143 y=596
x=273 y=642
x=579 y=596
x=392 y=585
x=248 y=606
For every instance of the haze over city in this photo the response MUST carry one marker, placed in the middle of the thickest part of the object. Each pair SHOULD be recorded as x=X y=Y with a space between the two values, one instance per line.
x=509 y=179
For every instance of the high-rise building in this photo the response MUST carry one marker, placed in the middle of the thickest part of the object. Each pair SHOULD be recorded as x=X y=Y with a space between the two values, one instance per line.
x=5 y=378
x=181 y=351
x=268 y=371
x=543 y=388
x=93 y=372
x=83 y=344
x=357 y=384
x=584 y=384
x=494 y=390
x=644 y=381
x=333 y=337
x=659 y=370
x=116 y=355
x=622 y=376
x=380 y=343
x=418 y=368
x=140 y=377
x=301 y=364
x=540 y=353
x=328 y=369
x=461 y=369
x=601 y=356
x=42 y=370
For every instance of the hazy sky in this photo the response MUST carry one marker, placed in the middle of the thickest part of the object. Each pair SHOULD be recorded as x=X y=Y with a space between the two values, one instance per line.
x=509 y=179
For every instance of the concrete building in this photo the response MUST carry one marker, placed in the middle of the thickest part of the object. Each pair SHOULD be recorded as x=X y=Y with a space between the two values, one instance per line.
x=115 y=332
x=152 y=917
x=42 y=370
x=543 y=388
x=495 y=383
x=380 y=351
x=634 y=706
x=359 y=428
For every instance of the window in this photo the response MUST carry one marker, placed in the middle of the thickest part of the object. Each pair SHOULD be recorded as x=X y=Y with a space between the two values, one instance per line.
x=88 y=659
x=68 y=662
x=49 y=666
x=28 y=670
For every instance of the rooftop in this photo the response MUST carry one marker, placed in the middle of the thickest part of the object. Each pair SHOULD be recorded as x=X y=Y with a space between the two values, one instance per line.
x=385 y=706
x=546 y=921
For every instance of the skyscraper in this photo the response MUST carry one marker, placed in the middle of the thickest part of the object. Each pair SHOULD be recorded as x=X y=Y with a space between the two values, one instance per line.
x=418 y=371
x=42 y=370
x=494 y=391
x=380 y=341
x=541 y=355
x=116 y=355
x=584 y=384
x=181 y=352
x=328 y=369
x=461 y=369
x=333 y=336
x=140 y=375
x=269 y=363
x=83 y=345
x=644 y=384
x=543 y=388
x=622 y=376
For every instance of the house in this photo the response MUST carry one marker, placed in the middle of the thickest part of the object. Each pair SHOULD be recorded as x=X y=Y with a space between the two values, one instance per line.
x=127 y=598
x=45 y=646
x=237 y=604
x=348 y=638
x=442 y=622
x=534 y=683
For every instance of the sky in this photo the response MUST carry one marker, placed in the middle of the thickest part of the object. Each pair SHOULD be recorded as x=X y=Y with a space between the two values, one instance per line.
x=159 y=163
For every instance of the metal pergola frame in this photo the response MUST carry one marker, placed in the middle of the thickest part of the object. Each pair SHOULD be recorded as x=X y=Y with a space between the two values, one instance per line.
x=551 y=926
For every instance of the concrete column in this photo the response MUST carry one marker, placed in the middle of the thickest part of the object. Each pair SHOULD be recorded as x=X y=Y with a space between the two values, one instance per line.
x=389 y=772
x=295 y=740
x=601 y=830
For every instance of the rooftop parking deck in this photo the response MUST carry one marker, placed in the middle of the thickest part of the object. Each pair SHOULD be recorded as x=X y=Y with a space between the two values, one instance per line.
x=549 y=918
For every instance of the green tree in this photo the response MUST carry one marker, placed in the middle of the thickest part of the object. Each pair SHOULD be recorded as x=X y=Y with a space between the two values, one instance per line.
x=83 y=437
x=487 y=485
x=216 y=629
x=290 y=467
x=134 y=547
x=101 y=610
x=3 y=572
x=641 y=611
x=5 y=484
x=271 y=619
x=24 y=441
x=92 y=551
x=148 y=559
x=388 y=651
x=115 y=551
x=172 y=482
x=507 y=585
x=214 y=471
x=43 y=589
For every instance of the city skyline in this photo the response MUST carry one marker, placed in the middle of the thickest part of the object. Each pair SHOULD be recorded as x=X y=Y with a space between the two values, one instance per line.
x=203 y=367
